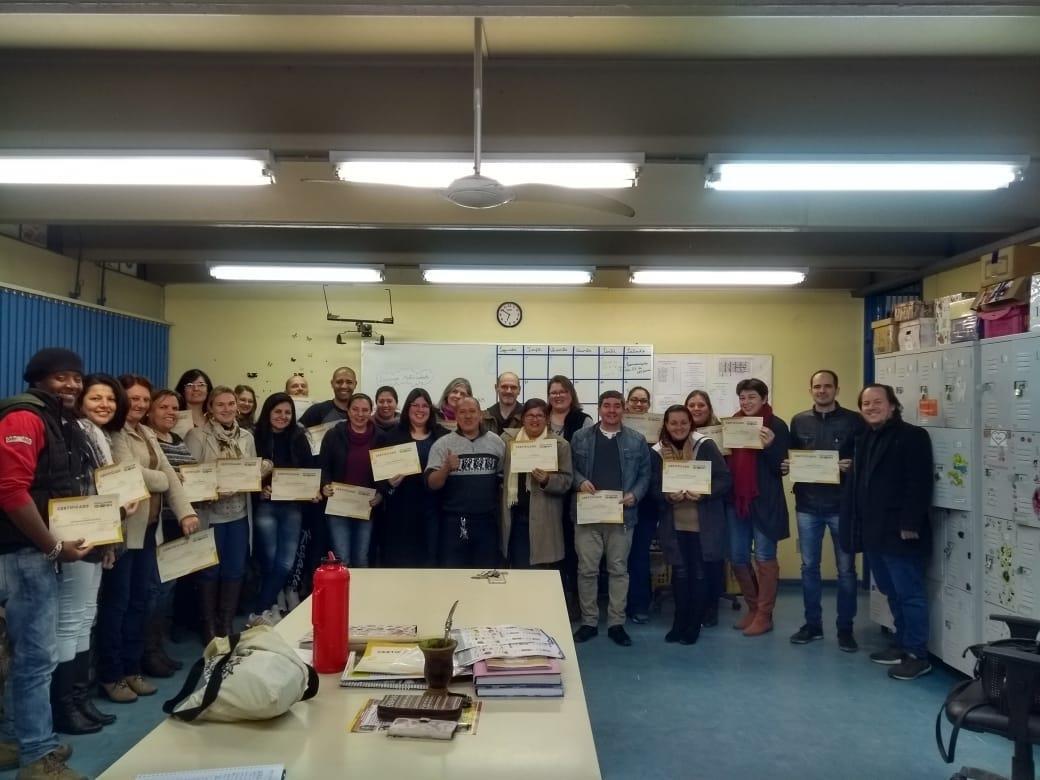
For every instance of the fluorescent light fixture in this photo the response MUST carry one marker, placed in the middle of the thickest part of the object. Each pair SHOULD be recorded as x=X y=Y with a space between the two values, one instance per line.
x=296 y=273
x=860 y=174
x=595 y=172
x=709 y=277
x=507 y=276
x=111 y=168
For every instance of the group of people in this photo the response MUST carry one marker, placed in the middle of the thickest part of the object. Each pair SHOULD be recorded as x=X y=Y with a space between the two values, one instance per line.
x=467 y=508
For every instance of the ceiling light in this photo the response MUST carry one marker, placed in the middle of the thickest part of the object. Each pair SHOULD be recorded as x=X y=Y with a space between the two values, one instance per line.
x=707 y=277
x=860 y=174
x=296 y=273
x=507 y=276
x=173 y=169
x=597 y=172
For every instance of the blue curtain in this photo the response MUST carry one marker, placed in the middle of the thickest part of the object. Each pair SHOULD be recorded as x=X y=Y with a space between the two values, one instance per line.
x=107 y=341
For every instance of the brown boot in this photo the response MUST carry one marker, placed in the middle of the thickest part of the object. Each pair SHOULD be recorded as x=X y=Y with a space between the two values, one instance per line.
x=208 y=609
x=768 y=579
x=139 y=685
x=745 y=576
x=230 y=590
x=153 y=662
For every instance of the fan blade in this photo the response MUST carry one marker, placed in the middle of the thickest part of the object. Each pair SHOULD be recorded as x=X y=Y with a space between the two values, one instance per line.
x=547 y=193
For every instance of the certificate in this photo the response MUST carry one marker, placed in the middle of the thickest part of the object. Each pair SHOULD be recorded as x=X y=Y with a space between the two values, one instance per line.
x=603 y=506
x=199 y=482
x=316 y=434
x=295 y=484
x=648 y=424
x=400 y=459
x=125 y=480
x=814 y=466
x=693 y=476
x=526 y=456
x=742 y=433
x=240 y=475
x=185 y=422
x=302 y=404
x=350 y=501
x=187 y=554
x=713 y=432
x=94 y=519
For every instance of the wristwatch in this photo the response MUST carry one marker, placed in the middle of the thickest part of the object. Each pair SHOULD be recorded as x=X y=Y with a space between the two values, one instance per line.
x=54 y=554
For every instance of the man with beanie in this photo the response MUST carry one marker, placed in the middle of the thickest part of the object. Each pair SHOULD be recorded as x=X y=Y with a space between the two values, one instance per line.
x=43 y=455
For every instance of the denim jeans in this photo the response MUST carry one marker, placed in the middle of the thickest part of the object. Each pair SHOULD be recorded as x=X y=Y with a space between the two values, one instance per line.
x=901 y=579
x=350 y=539
x=741 y=534
x=78 y=585
x=468 y=542
x=811 y=529
x=232 y=541
x=29 y=582
x=639 y=592
x=128 y=587
x=276 y=525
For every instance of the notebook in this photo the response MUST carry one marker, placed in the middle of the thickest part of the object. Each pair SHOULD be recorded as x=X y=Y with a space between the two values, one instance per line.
x=549 y=674
x=520 y=691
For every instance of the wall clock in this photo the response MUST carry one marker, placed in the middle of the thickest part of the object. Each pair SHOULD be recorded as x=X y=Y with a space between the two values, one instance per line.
x=509 y=314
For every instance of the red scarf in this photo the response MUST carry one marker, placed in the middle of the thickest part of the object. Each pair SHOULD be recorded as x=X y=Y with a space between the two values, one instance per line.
x=743 y=465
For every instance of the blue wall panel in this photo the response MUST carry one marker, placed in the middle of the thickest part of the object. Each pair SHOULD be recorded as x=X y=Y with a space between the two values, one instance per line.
x=108 y=342
x=878 y=307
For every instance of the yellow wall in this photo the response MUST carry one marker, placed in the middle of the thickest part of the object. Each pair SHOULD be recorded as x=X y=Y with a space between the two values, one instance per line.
x=963 y=279
x=229 y=330
x=25 y=265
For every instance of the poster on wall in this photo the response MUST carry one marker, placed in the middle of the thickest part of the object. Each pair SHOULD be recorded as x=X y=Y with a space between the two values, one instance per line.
x=677 y=374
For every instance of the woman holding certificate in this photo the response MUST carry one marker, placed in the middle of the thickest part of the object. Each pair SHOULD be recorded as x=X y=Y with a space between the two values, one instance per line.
x=409 y=536
x=758 y=515
x=346 y=480
x=130 y=583
x=703 y=413
x=691 y=481
x=277 y=519
x=538 y=478
x=221 y=440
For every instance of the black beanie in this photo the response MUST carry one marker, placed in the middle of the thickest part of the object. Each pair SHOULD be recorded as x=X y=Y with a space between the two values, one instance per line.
x=51 y=360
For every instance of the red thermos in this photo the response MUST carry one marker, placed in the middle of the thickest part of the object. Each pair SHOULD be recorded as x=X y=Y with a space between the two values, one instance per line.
x=330 y=606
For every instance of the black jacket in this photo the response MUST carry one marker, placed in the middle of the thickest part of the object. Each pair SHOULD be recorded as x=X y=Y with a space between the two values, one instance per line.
x=888 y=490
x=813 y=430
x=769 y=509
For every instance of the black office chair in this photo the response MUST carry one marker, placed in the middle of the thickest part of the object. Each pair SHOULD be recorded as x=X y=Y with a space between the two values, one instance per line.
x=1003 y=699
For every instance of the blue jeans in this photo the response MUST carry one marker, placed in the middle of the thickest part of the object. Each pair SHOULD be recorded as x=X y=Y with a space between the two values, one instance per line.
x=350 y=539
x=127 y=591
x=741 y=534
x=277 y=527
x=78 y=585
x=811 y=529
x=30 y=584
x=639 y=593
x=901 y=579
x=232 y=541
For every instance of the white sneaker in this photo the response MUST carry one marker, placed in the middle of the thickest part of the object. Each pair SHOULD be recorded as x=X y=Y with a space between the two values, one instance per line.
x=292 y=600
x=263 y=619
x=281 y=599
x=272 y=616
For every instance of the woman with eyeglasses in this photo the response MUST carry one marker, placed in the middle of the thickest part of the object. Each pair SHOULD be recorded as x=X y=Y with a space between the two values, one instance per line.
x=246 y=397
x=698 y=403
x=409 y=537
x=532 y=502
x=640 y=593
x=194 y=387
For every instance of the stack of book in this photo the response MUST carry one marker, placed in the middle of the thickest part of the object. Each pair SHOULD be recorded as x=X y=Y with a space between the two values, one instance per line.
x=526 y=677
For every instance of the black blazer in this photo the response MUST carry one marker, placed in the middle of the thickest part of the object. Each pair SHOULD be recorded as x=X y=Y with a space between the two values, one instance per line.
x=889 y=490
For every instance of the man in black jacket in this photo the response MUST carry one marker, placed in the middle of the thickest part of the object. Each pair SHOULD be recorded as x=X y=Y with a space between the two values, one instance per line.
x=827 y=426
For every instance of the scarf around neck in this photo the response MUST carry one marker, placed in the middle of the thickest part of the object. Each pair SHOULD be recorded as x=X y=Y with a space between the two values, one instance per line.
x=513 y=484
x=227 y=440
x=447 y=412
x=743 y=465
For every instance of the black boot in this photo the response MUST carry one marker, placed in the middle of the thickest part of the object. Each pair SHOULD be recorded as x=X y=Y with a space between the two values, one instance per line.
x=695 y=617
x=681 y=594
x=66 y=715
x=81 y=692
x=230 y=591
x=207 y=591
x=153 y=662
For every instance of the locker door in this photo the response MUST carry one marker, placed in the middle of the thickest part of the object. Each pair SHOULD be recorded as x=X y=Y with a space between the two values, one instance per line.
x=957 y=394
x=884 y=369
x=1023 y=399
x=935 y=570
x=1025 y=479
x=998 y=546
x=995 y=384
x=935 y=617
x=958 y=622
x=992 y=630
x=906 y=386
x=930 y=387
x=960 y=555
x=1026 y=566
x=997 y=472
x=954 y=467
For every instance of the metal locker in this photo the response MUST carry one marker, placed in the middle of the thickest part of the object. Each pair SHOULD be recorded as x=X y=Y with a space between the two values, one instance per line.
x=905 y=385
x=998 y=552
x=885 y=369
x=1025 y=479
x=957 y=394
x=959 y=628
x=1011 y=383
x=929 y=389
x=992 y=630
x=959 y=551
x=935 y=569
x=1026 y=572
x=995 y=385
x=953 y=456
x=935 y=615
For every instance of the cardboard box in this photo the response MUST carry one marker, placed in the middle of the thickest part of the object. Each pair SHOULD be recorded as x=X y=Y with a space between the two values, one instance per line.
x=999 y=295
x=916 y=334
x=944 y=313
x=964 y=329
x=1010 y=262
x=885 y=336
x=911 y=310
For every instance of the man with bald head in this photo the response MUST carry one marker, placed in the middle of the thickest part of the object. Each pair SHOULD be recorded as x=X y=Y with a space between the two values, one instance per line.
x=506 y=413
x=344 y=382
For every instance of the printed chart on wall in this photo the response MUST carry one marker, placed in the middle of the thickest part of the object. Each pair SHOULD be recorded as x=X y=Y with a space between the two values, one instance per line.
x=675 y=375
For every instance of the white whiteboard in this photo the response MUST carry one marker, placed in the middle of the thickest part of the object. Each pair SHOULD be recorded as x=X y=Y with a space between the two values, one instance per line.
x=677 y=374
x=592 y=368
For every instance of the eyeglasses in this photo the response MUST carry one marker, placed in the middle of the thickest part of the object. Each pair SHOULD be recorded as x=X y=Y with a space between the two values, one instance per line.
x=197 y=385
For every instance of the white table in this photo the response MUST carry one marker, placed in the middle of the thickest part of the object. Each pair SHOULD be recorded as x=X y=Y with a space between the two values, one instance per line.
x=515 y=738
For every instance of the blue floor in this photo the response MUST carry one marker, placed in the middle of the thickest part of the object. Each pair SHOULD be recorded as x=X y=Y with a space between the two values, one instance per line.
x=728 y=707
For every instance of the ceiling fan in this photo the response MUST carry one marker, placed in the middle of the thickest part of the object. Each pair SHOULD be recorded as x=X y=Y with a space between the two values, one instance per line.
x=477 y=191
